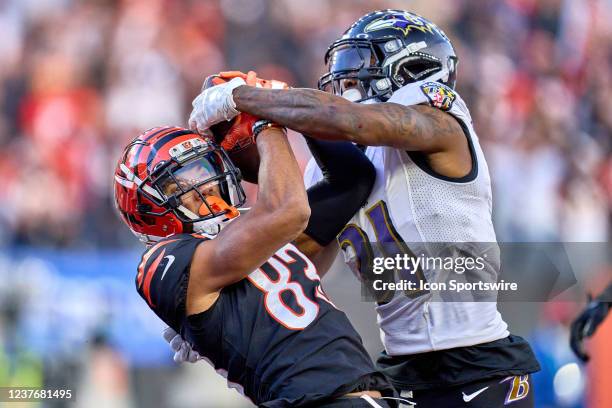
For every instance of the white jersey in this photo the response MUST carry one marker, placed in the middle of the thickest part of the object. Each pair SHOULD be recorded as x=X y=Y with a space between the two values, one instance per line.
x=425 y=208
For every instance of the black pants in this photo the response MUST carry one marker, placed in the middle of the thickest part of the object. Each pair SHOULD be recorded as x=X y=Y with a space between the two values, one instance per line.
x=503 y=392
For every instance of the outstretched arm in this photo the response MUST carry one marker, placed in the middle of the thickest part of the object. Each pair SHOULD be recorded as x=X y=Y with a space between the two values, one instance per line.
x=329 y=117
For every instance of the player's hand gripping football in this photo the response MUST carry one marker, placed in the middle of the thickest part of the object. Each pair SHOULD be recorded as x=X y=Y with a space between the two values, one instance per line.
x=183 y=353
x=215 y=104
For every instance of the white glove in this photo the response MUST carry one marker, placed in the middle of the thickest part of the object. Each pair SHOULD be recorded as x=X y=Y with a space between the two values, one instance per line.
x=213 y=105
x=183 y=353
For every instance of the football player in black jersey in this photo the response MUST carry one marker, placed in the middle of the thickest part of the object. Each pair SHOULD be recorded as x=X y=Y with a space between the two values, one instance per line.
x=234 y=285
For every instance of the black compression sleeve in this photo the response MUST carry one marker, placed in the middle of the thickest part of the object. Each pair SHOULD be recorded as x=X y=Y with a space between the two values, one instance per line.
x=348 y=177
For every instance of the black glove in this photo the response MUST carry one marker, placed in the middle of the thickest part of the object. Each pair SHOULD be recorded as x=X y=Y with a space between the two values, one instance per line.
x=585 y=325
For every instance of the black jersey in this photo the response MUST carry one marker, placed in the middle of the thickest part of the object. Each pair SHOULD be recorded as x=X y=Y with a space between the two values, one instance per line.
x=274 y=335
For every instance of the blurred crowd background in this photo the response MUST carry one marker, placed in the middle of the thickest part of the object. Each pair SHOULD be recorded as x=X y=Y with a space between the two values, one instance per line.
x=78 y=79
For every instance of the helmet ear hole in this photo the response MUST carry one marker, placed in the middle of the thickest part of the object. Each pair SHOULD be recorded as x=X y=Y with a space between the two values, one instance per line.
x=417 y=69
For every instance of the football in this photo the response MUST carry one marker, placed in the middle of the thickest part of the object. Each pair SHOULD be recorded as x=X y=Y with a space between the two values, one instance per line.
x=247 y=160
x=220 y=130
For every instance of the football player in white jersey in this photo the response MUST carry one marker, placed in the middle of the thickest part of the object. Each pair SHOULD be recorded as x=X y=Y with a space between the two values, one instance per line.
x=390 y=87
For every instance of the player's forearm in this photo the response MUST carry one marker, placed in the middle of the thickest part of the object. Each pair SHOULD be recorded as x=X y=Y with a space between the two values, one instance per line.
x=319 y=114
x=329 y=117
x=280 y=194
x=348 y=179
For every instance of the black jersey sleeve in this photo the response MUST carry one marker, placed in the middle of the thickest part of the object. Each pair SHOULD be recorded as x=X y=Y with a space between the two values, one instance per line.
x=163 y=276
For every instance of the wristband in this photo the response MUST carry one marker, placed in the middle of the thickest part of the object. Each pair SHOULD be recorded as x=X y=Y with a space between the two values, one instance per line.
x=261 y=125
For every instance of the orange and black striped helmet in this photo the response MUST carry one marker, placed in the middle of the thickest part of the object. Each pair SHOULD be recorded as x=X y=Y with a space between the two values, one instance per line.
x=171 y=180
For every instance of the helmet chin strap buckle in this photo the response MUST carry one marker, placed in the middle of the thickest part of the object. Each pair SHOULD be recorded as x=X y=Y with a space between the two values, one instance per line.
x=382 y=84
